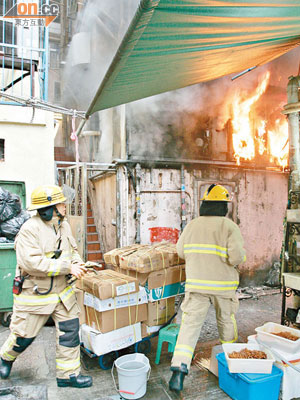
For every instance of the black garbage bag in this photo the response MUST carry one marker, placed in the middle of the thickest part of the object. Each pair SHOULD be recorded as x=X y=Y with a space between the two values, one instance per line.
x=10 y=228
x=4 y=197
x=10 y=205
x=273 y=279
x=15 y=204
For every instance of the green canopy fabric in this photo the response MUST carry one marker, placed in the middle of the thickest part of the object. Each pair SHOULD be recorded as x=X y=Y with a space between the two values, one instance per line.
x=171 y=44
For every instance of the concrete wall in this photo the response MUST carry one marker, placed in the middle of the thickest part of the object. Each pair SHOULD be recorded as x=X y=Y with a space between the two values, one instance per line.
x=258 y=207
x=29 y=146
x=262 y=201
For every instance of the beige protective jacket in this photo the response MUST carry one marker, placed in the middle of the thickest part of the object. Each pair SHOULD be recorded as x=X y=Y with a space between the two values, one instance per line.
x=35 y=244
x=212 y=248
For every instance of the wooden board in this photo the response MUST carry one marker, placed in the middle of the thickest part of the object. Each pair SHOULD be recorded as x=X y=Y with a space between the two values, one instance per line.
x=77 y=226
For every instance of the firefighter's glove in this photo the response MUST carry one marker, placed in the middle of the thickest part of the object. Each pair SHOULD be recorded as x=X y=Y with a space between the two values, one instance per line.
x=78 y=270
x=92 y=265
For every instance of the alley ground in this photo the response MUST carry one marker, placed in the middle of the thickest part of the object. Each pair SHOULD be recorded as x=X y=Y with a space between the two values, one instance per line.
x=36 y=366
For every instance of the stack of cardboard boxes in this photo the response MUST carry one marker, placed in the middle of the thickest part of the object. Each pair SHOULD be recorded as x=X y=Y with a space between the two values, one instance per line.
x=160 y=271
x=120 y=306
x=112 y=308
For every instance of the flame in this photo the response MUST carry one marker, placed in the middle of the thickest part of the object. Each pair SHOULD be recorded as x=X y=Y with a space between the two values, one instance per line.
x=261 y=130
x=278 y=143
x=251 y=132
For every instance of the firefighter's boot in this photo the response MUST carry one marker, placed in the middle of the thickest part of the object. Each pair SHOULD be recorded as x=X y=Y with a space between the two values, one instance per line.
x=176 y=381
x=5 y=368
x=79 y=381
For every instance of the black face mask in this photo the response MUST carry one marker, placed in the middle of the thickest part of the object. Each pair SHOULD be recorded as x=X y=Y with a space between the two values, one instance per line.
x=46 y=213
x=214 y=208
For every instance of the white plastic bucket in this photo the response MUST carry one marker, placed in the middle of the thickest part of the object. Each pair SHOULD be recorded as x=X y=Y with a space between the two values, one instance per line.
x=133 y=373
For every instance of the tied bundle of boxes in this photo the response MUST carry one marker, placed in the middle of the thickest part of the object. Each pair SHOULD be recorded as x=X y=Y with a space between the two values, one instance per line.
x=160 y=271
x=257 y=379
x=112 y=308
x=121 y=306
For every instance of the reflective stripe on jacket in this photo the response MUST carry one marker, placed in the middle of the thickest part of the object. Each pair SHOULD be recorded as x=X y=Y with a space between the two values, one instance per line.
x=212 y=247
x=35 y=245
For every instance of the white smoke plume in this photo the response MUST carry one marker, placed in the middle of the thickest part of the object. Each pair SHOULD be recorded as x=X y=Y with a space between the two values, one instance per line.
x=100 y=28
x=166 y=124
x=205 y=106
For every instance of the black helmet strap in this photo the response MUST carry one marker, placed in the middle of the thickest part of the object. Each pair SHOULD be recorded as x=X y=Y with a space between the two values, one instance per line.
x=58 y=213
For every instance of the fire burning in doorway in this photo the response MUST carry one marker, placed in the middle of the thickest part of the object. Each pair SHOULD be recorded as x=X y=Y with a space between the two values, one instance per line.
x=236 y=122
x=252 y=135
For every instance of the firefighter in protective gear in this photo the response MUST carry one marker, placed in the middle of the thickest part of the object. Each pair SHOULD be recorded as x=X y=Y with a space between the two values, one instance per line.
x=46 y=254
x=212 y=246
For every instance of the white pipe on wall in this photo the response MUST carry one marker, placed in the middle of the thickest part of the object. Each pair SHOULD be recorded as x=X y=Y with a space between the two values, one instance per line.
x=125 y=233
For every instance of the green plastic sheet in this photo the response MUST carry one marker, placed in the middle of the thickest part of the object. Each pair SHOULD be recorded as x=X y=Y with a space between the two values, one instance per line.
x=171 y=44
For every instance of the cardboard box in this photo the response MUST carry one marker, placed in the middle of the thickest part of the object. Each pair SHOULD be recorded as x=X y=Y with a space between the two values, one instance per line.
x=80 y=300
x=149 y=330
x=103 y=343
x=119 y=257
x=107 y=321
x=132 y=299
x=166 y=277
x=170 y=250
x=165 y=292
x=88 y=274
x=113 y=256
x=159 y=312
x=159 y=278
x=145 y=259
x=106 y=284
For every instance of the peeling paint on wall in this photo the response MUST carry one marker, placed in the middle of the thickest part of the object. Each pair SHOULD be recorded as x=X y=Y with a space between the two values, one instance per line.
x=258 y=207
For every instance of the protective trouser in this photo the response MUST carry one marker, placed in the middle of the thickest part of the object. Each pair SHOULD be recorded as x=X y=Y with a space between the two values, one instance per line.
x=194 y=310
x=25 y=327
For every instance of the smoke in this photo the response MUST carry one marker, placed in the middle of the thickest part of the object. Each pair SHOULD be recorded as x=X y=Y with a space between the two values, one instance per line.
x=100 y=28
x=171 y=123
x=176 y=124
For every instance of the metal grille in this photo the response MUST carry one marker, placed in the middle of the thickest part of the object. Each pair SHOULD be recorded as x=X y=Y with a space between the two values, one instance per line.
x=72 y=177
x=23 y=54
x=76 y=177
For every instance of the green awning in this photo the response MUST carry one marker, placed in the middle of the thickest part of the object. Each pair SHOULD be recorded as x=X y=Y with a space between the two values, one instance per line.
x=171 y=44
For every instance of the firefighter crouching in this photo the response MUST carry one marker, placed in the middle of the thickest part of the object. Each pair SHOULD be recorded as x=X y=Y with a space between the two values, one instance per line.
x=212 y=247
x=46 y=254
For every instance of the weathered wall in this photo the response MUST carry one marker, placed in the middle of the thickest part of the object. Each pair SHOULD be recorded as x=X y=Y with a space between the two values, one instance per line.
x=161 y=200
x=262 y=201
x=29 y=147
x=258 y=206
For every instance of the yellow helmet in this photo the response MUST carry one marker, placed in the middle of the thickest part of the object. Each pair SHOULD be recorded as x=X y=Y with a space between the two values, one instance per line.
x=216 y=193
x=45 y=196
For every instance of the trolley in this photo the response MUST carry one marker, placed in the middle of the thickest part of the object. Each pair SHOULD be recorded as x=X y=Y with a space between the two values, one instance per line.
x=105 y=361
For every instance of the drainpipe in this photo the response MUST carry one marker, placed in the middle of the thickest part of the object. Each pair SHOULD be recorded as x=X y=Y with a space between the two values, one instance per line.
x=119 y=207
x=195 y=190
x=138 y=202
x=183 y=208
x=84 y=193
x=293 y=121
x=123 y=133
x=126 y=194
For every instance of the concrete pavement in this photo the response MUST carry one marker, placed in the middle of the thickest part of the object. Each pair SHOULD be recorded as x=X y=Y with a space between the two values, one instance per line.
x=36 y=366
